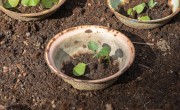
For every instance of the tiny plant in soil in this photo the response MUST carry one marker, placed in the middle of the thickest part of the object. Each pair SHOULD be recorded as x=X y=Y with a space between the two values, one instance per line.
x=138 y=9
x=15 y=3
x=101 y=55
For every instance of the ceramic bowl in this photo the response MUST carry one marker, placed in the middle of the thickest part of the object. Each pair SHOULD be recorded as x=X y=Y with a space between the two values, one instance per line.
x=137 y=24
x=74 y=41
x=31 y=16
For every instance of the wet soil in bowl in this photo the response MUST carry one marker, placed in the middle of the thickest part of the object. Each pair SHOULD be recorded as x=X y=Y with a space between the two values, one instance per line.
x=161 y=9
x=28 y=9
x=94 y=69
x=153 y=81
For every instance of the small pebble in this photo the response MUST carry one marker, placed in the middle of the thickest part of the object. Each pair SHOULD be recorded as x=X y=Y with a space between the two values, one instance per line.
x=53 y=106
x=139 y=78
x=52 y=102
x=102 y=19
x=109 y=107
x=89 y=4
x=9 y=33
x=171 y=71
x=33 y=100
x=73 y=108
x=14 y=100
x=5 y=69
x=24 y=74
x=28 y=34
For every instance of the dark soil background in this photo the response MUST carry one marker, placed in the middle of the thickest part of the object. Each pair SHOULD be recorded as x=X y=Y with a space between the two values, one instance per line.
x=26 y=82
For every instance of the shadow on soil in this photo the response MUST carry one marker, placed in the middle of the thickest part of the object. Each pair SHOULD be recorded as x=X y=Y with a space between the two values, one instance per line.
x=18 y=107
x=144 y=59
x=67 y=8
x=175 y=19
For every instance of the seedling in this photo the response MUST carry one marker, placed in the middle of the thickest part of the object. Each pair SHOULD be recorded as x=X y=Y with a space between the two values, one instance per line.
x=138 y=9
x=151 y=4
x=79 y=69
x=15 y=3
x=102 y=54
x=144 y=18
x=11 y=3
x=131 y=12
x=94 y=47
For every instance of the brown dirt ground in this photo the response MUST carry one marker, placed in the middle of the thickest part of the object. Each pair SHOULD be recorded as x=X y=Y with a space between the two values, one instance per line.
x=26 y=82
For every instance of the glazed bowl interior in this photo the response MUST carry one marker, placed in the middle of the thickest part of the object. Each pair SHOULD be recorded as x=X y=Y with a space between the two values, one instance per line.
x=114 y=5
x=74 y=42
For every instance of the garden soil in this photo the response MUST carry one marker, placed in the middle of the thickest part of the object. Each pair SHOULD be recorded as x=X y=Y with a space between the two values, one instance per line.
x=26 y=82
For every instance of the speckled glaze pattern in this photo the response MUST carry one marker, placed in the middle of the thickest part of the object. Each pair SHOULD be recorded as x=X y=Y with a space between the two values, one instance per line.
x=113 y=5
x=74 y=41
x=90 y=86
x=31 y=16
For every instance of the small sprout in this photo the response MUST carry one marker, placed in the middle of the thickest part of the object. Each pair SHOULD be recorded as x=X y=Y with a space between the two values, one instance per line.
x=11 y=3
x=139 y=8
x=79 y=69
x=151 y=4
x=104 y=52
x=131 y=12
x=48 y=3
x=14 y=3
x=93 y=46
x=144 y=18
x=30 y=2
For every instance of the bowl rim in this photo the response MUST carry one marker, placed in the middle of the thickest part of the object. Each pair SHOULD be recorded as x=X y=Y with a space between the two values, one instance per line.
x=141 y=21
x=111 y=77
x=34 y=14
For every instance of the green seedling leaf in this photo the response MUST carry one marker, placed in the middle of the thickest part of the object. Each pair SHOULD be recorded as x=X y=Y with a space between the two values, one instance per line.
x=11 y=3
x=30 y=2
x=130 y=11
x=151 y=4
x=47 y=3
x=139 y=8
x=144 y=18
x=93 y=46
x=79 y=69
x=104 y=52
